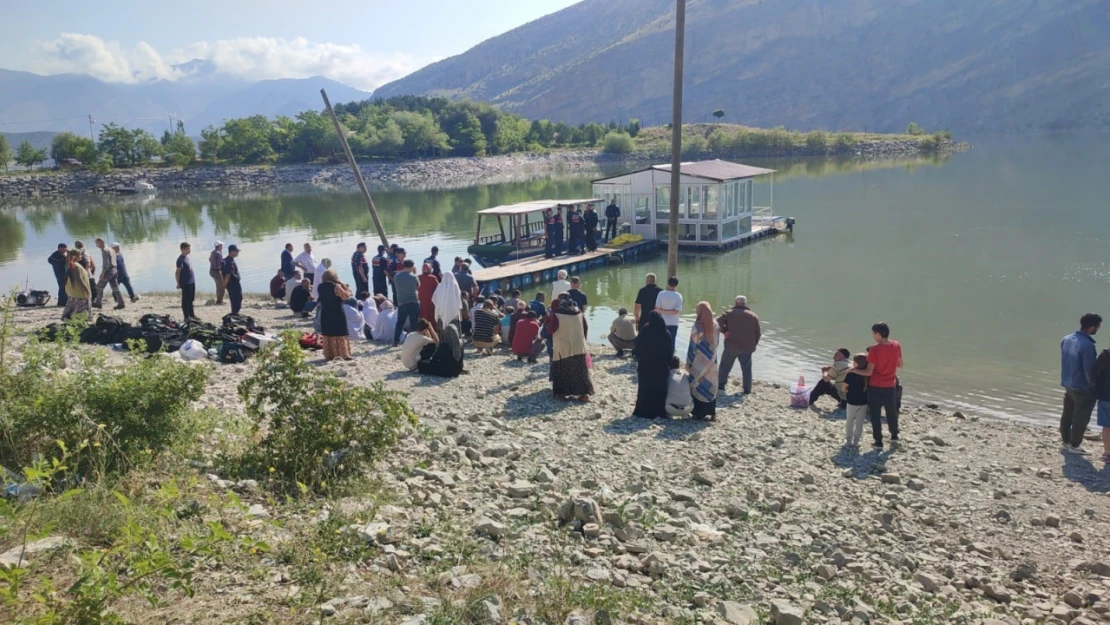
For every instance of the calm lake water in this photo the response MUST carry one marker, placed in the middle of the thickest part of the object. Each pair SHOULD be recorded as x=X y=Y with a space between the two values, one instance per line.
x=980 y=262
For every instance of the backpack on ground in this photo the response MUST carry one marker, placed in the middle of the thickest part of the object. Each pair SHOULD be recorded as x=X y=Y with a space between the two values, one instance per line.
x=241 y=324
x=231 y=353
x=157 y=323
x=311 y=340
x=208 y=334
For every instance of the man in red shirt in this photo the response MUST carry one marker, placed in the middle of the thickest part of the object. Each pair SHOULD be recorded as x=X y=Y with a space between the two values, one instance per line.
x=884 y=359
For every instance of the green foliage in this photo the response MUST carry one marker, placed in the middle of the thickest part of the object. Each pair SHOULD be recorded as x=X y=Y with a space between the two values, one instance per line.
x=633 y=127
x=844 y=141
x=817 y=141
x=5 y=152
x=112 y=416
x=101 y=164
x=914 y=129
x=28 y=156
x=247 y=140
x=933 y=142
x=70 y=145
x=178 y=146
x=617 y=143
x=128 y=148
x=211 y=140
x=694 y=146
x=318 y=430
x=719 y=113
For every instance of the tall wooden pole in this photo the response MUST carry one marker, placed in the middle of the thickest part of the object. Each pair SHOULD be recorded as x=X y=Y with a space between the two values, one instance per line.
x=354 y=168
x=676 y=139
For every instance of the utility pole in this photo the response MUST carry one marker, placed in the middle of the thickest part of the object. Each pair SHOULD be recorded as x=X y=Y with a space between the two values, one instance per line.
x=91 y=128
x=676 y=139
x=354 y=167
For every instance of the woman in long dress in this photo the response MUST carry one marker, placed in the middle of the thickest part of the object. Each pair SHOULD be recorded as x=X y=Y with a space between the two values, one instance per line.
x=427 y=284
x=701 y=363
x=447 y=360
x=333 y=319
x=570 y=373
x=653 y=364
x=447 y=300
x=385 y=323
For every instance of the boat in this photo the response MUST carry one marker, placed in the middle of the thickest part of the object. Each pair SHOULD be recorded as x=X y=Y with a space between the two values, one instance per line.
x=525 y=236
x=143 y=186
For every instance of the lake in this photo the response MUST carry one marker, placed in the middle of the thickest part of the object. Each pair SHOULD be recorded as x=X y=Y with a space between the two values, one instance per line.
x=980 y=262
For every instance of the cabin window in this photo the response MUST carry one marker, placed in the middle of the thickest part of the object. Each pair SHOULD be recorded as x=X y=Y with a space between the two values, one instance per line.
x=730 y=230
x=711 y=203
x=709 y=233
x=693 y=202
x=745 y=224
x=662 y=231
x=642 y=210
x=688 y=233
x=662 y=203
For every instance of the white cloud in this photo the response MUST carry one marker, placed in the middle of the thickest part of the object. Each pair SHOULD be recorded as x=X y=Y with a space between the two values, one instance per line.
x=252 y=58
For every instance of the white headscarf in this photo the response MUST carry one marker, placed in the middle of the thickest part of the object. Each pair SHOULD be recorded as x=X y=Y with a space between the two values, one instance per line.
x=318 y=277
x=447 y=299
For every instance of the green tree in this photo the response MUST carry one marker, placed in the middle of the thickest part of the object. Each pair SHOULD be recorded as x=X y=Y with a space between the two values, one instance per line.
x=617 y=143
x=633 y=127
x=70 y=145
x=247 y=140
x=314 y=137
x=422 y=134
x=118 y=143
x=510 y=135
x=28 y=156
x=914 y=129
x=178 y=147
x=719 y=113
x=146 y=147
x=211 y=142
x=5 y=152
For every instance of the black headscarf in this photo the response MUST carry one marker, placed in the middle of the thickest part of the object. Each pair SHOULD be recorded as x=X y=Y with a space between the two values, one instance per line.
x=653 y=344
x=566 y=306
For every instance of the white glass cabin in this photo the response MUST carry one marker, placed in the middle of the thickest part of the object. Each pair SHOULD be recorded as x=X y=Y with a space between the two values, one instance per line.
x=715 y=207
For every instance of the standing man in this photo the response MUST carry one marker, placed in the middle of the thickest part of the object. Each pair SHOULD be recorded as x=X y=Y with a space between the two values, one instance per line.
x=458 y=265
x=307 y=262
x=231 y=279
x=1077 y=357
x=396 y=266
x=612 y=216
x=591 y=227
x=884 y=359
x=124 y=277
x=576 y=294
x=549 y=239
x=215 y=269
x=433 y=261
x=669 y=304
x=466 y=282
x=645 y=301
x=742 y=333
x=360 y=268
x=559 y=231
x=287 y=267
x=577 y=227
x=406 y=285
x=109 y=276
x=378 y=267
x=57 y=262
x=186 y=281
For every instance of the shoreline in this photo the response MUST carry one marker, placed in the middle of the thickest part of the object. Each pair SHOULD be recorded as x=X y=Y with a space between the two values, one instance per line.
x=969 y=520
x=441 y=173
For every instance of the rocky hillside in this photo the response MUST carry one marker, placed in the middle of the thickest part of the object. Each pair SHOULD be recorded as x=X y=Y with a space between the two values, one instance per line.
x=835 y=64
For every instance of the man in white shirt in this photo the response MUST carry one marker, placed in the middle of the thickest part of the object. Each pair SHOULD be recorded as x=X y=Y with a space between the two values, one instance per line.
x=307 y=262
x=669 y=304
x=560 y=286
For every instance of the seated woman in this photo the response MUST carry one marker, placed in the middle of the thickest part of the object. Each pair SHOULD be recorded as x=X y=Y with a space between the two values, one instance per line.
x=526 y=338
x=486 y=320
x=418 y=345
x=355 y=321
x=369 y=313
x=385 y=323
x=447 y=359
x=679 y=400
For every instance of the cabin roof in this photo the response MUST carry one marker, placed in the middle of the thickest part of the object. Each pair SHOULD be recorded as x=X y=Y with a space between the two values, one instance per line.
x=715 y=170
x=534 y=206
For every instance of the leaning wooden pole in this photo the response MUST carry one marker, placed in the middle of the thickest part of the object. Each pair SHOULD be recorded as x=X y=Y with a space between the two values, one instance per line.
x=676 y=139
x=354 y=168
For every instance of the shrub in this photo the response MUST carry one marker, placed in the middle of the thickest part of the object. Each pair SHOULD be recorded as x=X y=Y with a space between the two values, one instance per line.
x=319 y=430
x=914 y=129
x=617 y=143
x=721 y=142
x=817 y=141
x=110 y=417
x=930 y=143
x=694 y=146
x=844 y=141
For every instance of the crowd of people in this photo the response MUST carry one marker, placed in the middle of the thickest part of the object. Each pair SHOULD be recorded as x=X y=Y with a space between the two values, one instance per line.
x=579 y=230
x=79 y=290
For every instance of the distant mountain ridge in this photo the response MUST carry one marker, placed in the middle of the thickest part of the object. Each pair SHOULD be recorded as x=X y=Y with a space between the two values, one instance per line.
x=836 y=64
x=30 y=102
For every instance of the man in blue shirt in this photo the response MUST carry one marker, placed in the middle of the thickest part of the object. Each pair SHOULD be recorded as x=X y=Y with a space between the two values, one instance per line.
x=287 y=267
x=1077 y=356
x=360 y=268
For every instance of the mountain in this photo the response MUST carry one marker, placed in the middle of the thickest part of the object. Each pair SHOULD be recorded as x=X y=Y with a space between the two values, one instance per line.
x=30 y=102
x=836 y=64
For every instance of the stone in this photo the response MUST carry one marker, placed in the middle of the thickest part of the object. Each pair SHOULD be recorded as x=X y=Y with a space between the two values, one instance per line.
x=19 y=555
x=826 y=571
x=489 y=528
x=784 y=613
x=915 y=484
x=1074 y=598
x=737 y=614
x=521 y=490
x=928 y=582
x=891 y=478
x=1076 y=536
x=1096 y=568
x=591 y=530
x=997 y=592
x=1024 y=571
x=258 y=511
x=580 y=509
x=598 y=575
x=544 y=476
x=1052 y=521
x=681 y=494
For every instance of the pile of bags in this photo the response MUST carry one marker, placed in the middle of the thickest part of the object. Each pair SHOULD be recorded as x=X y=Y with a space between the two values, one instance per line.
x=625 y=239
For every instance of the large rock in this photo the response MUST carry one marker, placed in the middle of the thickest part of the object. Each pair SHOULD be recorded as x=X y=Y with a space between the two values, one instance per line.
x=785 y=613
x=928 y=582
x=581 y=510
x=490 y=528
x=737 y=614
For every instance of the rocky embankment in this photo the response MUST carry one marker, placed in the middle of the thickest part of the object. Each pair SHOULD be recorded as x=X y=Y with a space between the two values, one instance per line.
x=764 y=516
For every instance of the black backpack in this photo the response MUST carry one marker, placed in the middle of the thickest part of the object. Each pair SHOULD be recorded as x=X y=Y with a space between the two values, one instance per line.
x=241 y=324
x=231 y=353
x=156 y=323
x=208 y=334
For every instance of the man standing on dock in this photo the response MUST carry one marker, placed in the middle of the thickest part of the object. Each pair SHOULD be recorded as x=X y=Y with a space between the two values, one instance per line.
x=591 y=227
x=612 y=216
x=742 y=333
x=549 y=229
x=1077 y=356
x=232 y=280
x=577 y=227
x=360 y=268
x=560 y=231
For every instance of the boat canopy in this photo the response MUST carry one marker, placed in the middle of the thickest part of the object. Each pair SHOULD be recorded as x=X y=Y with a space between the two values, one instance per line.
x=534 y=206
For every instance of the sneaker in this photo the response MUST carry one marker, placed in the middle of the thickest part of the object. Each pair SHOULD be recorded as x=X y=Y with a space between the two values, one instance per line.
x=1078 y=451
x=118 y=307
x=135 y=299
x=878 y=446
x=1065 y=447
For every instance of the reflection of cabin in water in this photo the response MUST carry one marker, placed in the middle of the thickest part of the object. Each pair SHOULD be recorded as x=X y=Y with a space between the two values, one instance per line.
x=716 y=207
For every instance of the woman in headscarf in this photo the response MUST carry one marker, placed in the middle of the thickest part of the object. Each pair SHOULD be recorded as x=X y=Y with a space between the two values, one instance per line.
x=427 y=284
x=318 y=277
x=385 y=323
x=447 y=360
x=653 y=359
x=701 y=363
x=77 y=287
x=333 y=319
x=570 y=373
x=447 y=301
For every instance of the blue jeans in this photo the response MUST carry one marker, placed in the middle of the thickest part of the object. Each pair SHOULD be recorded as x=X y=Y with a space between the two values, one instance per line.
x=410 y=312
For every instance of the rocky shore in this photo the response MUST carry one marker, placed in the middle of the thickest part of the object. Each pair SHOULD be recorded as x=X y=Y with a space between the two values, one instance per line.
x=432 y=173
x=504 y=497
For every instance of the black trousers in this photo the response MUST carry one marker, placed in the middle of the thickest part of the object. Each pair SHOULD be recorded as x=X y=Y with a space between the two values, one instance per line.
x=188 y=294
x=824 y=387
x=879 y=398
x=360 y=286
x=235 y=294
x=380 y=286
x=63 y=299
x=610 y=229
x=591 y=240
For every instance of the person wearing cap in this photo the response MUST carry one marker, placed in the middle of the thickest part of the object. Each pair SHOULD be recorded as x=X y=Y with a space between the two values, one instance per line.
x=215 y=270
x=378 y=266
x=622 y=333
x=232 y=281
x=307 y=262
x=186 y=282
x=57 y=262
x=360 y=268
x=109 y=276
x=124 y=278
x=433 y=262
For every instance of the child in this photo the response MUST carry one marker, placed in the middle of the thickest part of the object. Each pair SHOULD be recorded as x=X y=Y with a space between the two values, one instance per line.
x=679 y=401
x=832 y=379
x=525 y=336
x=855 y=393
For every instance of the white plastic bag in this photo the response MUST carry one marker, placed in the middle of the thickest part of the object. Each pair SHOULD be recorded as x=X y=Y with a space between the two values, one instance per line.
x=193 y=350
x=799 y=393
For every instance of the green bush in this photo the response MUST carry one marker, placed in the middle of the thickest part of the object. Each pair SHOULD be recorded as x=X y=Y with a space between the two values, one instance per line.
x=844 y=141
x=318 y=430
x=111 y=417
x=914 y=129
x=694 y=146
x=617 y=143
x=817 y=141
x=930 y=143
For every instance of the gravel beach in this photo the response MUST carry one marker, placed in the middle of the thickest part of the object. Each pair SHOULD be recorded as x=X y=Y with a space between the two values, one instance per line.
x=760 y=517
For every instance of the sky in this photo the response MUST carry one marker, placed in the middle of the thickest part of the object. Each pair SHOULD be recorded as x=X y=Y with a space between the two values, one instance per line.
x=363 y=43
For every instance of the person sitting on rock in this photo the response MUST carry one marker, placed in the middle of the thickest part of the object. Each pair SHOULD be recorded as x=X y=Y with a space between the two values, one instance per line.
x=832 y=379
x=622 y=333
x=419 y=345
x=680 y=403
